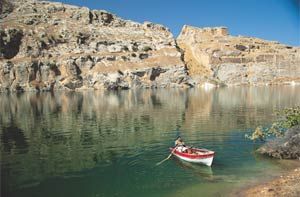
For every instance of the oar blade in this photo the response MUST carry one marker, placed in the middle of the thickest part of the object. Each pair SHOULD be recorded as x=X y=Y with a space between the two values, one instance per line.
x=157 y=164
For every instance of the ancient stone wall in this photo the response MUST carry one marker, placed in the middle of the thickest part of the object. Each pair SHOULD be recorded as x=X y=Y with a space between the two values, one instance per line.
x=213 y=55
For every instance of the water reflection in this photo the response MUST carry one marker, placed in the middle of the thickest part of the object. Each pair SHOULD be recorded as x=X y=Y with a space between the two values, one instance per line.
x=205 y=172
x=50 y=134
x=13 y=139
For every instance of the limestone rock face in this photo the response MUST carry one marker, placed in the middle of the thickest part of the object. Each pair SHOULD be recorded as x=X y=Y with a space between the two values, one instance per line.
x=47 y=46
x=212 y=54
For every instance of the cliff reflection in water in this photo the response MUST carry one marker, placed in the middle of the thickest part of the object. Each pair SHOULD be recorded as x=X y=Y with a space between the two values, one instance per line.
x=45 y=135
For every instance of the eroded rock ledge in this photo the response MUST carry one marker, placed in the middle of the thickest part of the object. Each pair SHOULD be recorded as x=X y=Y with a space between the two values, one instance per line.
x=52 y=46
x=287 y=147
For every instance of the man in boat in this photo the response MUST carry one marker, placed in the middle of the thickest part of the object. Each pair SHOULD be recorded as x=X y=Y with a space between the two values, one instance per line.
x=179 y=144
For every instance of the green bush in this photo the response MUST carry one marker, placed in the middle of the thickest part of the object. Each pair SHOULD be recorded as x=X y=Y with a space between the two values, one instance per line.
x=147 y=48
x=287 y=118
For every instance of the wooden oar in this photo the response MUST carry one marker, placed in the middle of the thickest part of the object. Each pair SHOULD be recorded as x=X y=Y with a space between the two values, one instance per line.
x=157 y=164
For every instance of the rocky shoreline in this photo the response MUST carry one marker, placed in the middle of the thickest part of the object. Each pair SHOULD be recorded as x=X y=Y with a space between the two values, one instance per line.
x=285 y=185
x=46 y=46
x=288 y=184
x=286 y=147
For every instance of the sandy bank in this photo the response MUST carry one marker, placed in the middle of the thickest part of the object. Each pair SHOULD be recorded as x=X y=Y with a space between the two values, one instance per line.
x=285 y=185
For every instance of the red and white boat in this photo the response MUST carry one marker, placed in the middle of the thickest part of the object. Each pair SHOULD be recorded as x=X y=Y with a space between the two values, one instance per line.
x=194 y=155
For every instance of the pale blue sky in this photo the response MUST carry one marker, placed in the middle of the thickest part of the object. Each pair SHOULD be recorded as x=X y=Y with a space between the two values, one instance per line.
x=268 y=19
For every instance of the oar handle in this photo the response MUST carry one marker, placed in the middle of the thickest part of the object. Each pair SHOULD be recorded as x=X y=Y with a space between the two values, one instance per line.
x=172 y=151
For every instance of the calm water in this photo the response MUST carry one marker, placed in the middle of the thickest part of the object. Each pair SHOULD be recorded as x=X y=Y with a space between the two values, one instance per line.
x=107 y=144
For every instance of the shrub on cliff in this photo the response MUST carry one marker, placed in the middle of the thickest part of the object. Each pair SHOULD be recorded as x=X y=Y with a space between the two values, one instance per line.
x=286 y=131
x=286 y=147
x=287 y=118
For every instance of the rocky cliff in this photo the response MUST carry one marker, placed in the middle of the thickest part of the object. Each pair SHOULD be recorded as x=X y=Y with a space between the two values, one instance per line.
x=211 y=54
x=53 y=46
x=47 y=45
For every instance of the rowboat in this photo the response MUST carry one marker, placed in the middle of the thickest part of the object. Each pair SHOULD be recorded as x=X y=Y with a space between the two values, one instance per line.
x=194 y=155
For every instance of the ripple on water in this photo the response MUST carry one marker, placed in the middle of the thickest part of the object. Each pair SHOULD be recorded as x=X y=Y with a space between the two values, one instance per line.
x=83 y=144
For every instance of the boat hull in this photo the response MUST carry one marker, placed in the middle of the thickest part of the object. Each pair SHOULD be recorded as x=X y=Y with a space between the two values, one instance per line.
x=201 y=156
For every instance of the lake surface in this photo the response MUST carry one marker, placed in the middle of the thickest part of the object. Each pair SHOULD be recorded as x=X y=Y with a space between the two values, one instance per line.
x=107 y=144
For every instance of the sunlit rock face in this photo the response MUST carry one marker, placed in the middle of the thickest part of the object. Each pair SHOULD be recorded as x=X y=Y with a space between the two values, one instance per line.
x=47 y=45
x=211 y=54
